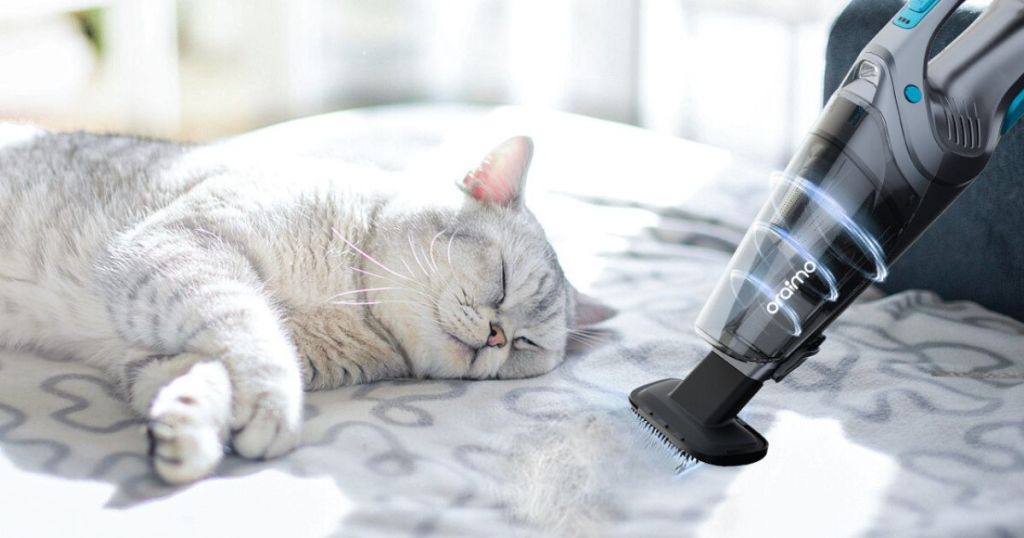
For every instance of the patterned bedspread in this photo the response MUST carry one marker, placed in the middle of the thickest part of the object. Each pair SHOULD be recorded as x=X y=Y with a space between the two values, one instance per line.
x=910 y=422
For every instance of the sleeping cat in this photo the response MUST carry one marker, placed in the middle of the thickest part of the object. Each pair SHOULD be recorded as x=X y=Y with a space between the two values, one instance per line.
x=212 y=292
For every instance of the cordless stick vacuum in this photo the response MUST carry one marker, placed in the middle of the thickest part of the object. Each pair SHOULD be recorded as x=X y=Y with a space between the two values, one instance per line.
x=899 y=140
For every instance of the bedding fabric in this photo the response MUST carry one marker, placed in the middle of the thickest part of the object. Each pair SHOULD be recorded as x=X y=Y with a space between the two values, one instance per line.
x=908 y=423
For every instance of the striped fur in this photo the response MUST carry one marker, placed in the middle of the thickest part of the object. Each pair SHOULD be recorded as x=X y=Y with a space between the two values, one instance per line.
x=214 y=289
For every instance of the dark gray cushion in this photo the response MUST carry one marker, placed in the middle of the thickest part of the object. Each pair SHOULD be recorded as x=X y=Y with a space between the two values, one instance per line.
x=975 y=251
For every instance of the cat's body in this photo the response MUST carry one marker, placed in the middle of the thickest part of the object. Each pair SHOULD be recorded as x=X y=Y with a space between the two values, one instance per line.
x=213 y=293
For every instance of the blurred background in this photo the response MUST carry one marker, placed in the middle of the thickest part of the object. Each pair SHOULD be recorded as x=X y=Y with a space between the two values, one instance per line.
x=741 y=74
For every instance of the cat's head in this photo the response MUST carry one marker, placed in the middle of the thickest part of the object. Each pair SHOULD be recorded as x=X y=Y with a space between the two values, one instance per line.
x=481 y=293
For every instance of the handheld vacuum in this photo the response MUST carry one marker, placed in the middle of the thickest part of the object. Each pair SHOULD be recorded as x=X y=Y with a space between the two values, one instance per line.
x=897 y=142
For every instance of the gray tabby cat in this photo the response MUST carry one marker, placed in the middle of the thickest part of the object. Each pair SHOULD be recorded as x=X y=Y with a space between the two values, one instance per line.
x=213 y=293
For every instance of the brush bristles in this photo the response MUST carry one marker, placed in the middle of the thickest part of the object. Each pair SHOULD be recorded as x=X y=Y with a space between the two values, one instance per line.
x=680 y=460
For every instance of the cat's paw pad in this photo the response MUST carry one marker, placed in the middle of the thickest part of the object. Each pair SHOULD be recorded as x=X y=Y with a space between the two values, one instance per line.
x=188 y=424
x=268 y=424
x=182 y=450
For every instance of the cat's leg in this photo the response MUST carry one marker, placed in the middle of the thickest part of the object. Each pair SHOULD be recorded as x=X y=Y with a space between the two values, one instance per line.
x=178 y=295
x=186 y=399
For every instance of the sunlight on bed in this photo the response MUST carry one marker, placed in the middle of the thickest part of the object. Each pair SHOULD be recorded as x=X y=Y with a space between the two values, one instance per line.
x=267 y=503
x=841 y=485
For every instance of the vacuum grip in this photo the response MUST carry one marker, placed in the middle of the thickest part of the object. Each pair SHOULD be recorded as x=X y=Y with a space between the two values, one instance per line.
x=979 y=76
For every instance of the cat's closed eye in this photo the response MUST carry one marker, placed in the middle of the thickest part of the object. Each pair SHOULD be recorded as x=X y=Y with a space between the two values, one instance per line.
x=522 y=342
x=504 y=285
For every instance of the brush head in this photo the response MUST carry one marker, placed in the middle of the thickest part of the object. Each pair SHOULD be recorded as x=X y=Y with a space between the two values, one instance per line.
x=722 y=442
x=679 y=459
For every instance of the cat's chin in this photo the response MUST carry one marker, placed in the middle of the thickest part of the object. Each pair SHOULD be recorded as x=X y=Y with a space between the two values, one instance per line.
x=462 y=352
x=445 y=357
x=474 y=362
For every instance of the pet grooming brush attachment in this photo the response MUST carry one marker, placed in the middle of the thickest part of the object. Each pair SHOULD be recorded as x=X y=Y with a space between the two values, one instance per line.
x=697 y=416
x=681 y=461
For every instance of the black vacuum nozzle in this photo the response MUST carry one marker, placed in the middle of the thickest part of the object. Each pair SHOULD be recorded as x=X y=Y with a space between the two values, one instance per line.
x=698 y=415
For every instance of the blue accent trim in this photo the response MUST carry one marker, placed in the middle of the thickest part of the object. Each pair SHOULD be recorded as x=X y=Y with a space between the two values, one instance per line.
x=1014 y=113
x=921 y=6
x=864 y=240
x=912 y=93
x=826 y=274
x=913 y=13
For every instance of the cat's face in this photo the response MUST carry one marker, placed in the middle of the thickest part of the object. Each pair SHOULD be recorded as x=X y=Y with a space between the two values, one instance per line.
x=483 y=295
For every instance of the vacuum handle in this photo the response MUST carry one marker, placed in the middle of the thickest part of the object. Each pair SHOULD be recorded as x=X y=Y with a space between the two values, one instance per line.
x=980 y=75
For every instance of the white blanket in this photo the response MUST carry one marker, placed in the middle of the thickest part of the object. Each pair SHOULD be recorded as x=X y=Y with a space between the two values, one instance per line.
x=908 y=423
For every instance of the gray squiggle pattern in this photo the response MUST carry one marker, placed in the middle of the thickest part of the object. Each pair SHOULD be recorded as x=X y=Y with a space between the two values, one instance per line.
x=908 y=423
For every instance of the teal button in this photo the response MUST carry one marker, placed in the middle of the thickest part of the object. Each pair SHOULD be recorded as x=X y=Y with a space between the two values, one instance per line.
x=912 y=93
x=1014 y=113
x=921 y=6
x=908 y=18
x=913 y=13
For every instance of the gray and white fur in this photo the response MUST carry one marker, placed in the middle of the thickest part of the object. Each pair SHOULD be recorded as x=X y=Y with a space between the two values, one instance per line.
x=213 y=292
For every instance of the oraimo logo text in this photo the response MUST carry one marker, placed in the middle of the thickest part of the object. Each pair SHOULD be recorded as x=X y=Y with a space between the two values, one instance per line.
x=790 y=286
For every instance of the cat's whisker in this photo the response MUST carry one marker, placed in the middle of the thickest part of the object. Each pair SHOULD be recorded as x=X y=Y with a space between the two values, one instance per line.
x=591 y=344
x=412 y=249
x=353 y=292
x=365 y=303
x=450 y=239
x=432 y=241
x=589 y=330
x=371 y=273
x=589 y=336
x=426 y=261
x=407 y=266
x=419 y=304
x=386 y=279
x=432 y=297
x=415 y=317
x=386 y=288
x=429 y=302
x=434 y=304
x=427 y=314
x=370 y=258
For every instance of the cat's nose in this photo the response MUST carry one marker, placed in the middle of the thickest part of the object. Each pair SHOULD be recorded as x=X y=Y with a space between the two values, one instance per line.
x=497 y=336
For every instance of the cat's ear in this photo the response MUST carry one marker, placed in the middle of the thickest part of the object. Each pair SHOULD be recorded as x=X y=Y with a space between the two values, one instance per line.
x=500 y=177
x=588 y=310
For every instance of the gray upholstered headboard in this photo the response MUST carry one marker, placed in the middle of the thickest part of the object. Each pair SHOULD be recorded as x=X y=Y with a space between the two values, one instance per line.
x=975 y=251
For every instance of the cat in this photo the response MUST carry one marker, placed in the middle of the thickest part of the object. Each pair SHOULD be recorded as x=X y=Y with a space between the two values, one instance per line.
x=213 y=292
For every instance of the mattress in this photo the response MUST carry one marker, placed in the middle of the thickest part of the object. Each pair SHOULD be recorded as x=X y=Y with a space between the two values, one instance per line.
x=908 y=423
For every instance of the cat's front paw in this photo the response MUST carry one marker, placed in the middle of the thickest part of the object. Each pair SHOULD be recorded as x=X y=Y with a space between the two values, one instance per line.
x=267 y=418
x=181 y=450
x=188 y=424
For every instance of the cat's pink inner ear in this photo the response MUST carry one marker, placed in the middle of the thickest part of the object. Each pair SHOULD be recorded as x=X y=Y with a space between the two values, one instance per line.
x=501 y=176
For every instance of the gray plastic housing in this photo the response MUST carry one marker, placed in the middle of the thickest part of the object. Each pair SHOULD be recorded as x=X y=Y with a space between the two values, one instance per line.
x=895 y=145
